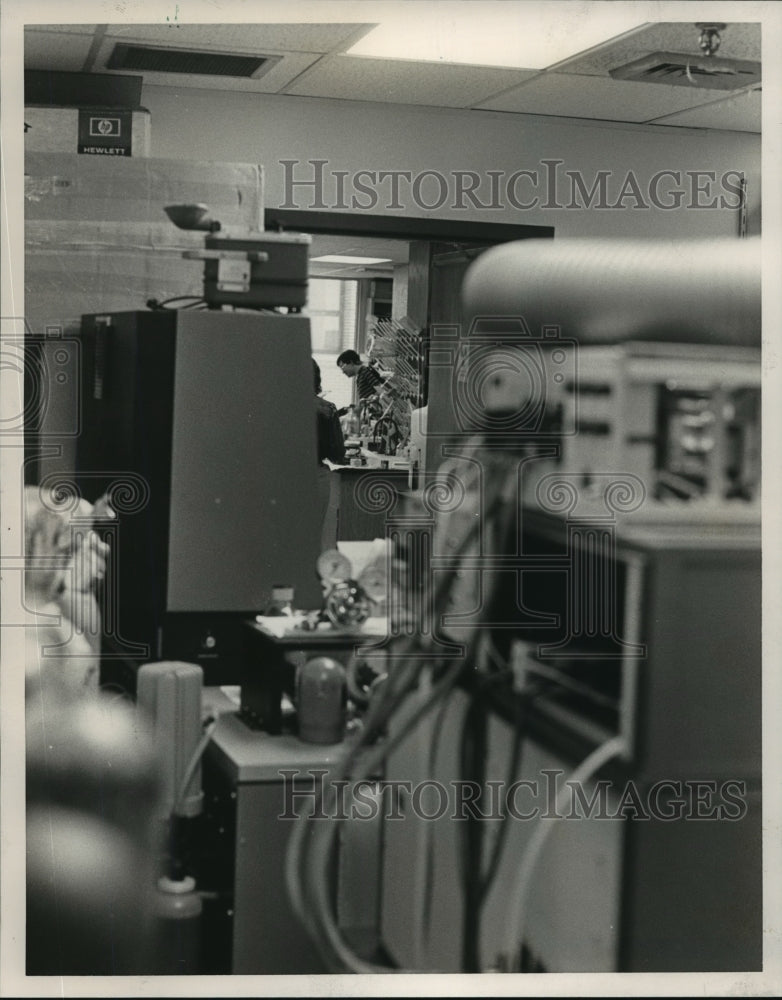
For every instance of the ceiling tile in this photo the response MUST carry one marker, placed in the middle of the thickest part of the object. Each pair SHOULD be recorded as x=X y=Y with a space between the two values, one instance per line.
x=579 y=88
x=305 y=37
x=739 y=41
x=397 y=252
x=405 y=82
x=596 y=97
x=280 y=74
x=359 y=246
x=740 y=113
x=49 y=51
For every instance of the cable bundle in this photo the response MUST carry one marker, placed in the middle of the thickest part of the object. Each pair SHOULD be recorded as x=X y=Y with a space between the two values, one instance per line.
x=311 y=846
x=415 y=665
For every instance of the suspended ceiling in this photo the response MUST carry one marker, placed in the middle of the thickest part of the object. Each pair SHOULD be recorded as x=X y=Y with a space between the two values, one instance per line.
x=309 y=58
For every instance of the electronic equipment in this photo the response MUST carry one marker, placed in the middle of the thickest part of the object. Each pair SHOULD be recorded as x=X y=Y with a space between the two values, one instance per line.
x=255 y=786
x=609 y=612
x=684 y=419
x=200 y=427
x=664 y=670
x=259 y=272
x=253 y=270
x=658 y=378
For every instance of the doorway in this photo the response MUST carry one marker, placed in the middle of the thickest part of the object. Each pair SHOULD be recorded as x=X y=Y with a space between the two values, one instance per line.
x=394 y=259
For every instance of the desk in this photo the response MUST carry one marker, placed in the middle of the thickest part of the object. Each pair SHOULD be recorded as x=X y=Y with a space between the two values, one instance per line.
x=271 y=659
x=366 y=497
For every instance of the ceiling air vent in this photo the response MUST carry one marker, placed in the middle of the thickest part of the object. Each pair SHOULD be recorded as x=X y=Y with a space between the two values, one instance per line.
x=678 y=69
x=153 y=59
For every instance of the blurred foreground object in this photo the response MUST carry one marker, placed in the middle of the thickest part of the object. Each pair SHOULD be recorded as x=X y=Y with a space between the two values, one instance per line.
x=65 y=559
x=92 y=781
x=609 y=358
x=91 y=798
x=606 y=291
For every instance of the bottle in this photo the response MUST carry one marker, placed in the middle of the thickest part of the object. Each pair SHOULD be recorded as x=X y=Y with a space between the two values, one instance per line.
x=350 y=428
x=321 y=694
x=177 y=934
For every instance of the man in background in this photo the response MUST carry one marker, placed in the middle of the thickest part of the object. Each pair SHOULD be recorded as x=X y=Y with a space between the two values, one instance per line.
x=367 y=379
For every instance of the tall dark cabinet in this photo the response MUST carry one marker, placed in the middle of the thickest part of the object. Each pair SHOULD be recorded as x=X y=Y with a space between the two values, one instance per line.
x=201 y=426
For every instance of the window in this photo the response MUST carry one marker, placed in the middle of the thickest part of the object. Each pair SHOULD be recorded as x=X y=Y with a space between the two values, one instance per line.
x=332 y=309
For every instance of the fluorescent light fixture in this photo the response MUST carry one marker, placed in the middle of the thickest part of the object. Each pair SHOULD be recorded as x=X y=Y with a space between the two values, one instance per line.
x=336 y=258
x=487 y=33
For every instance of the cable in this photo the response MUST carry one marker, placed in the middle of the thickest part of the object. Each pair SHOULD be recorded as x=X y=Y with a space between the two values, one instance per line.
x=192 y=765
x=299 y=857
x=560 y=679
x=425 y=859
x=473 y=769
x=473 y=755
x=298 y=853
x=477 y=879
x=422 y=874
x=409 y=646
x=315 y=910
x=310 y=849
x=524 y=700
x=157 y=304
x=585 y=770
x=325 y=834
x=416 y=642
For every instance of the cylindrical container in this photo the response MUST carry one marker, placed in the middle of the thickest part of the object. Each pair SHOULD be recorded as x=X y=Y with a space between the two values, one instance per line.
x=691 y=292
x=281 y=600
x=321 y=696
x=168 y=696
x=178 y=926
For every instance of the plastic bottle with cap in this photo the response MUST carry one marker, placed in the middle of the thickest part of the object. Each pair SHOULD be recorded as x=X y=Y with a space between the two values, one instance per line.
x=177 y=934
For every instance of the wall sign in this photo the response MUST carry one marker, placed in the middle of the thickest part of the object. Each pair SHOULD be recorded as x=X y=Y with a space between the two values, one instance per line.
x=105 y=133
